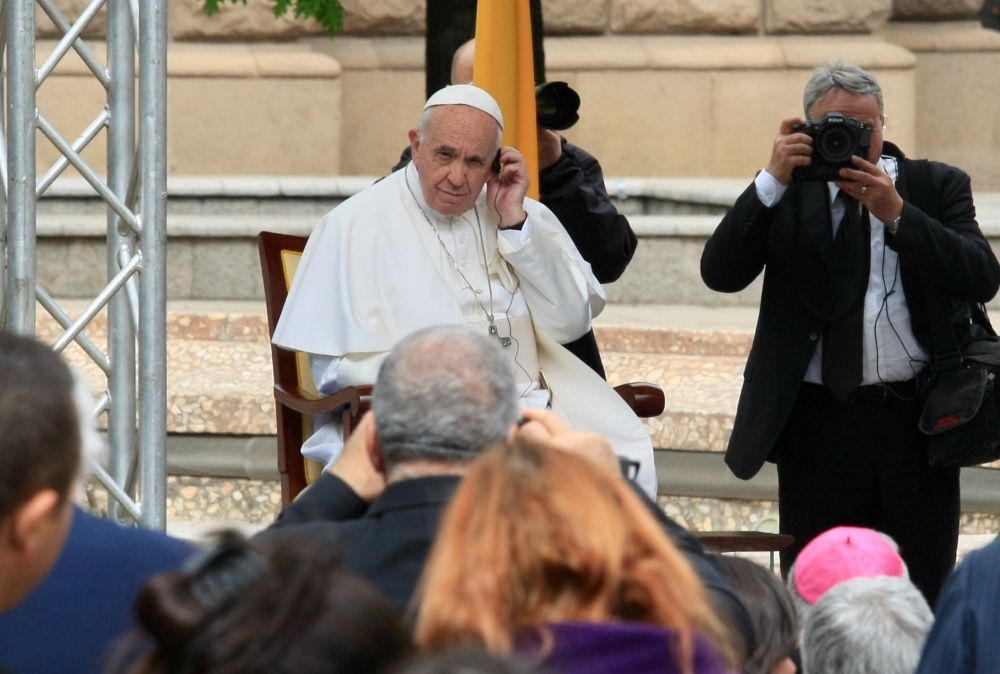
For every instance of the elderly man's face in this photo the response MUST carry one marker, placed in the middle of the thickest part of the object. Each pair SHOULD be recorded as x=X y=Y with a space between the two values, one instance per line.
x=453 y=159
x=862 y=108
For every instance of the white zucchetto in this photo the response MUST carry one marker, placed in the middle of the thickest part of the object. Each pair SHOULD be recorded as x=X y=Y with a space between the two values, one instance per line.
x=467 y=94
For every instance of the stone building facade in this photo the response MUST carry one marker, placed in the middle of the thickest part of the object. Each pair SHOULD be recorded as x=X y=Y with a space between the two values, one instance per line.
x=669 y=87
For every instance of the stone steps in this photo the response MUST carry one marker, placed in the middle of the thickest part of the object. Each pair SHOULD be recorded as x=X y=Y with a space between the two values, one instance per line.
x=219 y=367
x=221 y=414
x=213 y=223
x=219 y=376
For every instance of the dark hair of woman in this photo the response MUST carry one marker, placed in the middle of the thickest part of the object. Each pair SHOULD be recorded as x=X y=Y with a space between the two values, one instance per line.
x=771 y=612
x=240 y=607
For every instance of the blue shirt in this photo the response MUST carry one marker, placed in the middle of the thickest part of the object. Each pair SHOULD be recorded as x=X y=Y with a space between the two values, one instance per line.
x=72 y=620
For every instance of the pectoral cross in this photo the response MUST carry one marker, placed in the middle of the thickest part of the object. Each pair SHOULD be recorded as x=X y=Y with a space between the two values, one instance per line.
x=504 y=341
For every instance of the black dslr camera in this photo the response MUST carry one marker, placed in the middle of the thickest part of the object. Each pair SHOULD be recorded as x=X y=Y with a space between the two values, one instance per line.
x=836 y=139
x=556 y=105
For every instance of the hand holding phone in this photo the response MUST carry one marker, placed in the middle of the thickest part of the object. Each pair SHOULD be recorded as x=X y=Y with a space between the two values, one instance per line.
x=507 y=187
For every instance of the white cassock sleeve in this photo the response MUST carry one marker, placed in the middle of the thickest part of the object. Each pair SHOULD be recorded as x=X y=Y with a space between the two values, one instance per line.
x=561 y=291
x=330 y=374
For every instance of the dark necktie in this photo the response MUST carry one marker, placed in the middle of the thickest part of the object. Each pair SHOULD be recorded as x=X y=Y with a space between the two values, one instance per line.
x=843 y=336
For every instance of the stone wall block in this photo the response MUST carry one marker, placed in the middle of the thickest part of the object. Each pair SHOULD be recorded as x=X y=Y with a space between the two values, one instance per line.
x=253 y=21
x=823 y=16
x=673 y=16
x=71 y=11
x=567 y=17
x=935 y=9
x=384 y=17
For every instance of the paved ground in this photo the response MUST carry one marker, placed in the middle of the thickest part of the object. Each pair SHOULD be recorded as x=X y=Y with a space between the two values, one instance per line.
x=681 y=340
x=678 y=317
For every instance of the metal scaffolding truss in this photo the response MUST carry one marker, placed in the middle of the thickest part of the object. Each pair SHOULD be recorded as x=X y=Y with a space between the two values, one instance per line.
x=134 y=190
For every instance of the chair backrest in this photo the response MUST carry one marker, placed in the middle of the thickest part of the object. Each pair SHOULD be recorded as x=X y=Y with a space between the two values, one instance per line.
x=279 y=258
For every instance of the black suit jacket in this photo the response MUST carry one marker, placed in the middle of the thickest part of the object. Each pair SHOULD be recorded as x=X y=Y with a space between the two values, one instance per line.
x=387 y=543
x=791 y=244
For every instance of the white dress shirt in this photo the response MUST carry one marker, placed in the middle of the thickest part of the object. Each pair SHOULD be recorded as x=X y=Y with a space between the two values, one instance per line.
x=890 y=350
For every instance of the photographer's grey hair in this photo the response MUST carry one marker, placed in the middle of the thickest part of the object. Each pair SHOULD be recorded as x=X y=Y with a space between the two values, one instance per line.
x=444 y=394
x=877 y=624
x=843 y=76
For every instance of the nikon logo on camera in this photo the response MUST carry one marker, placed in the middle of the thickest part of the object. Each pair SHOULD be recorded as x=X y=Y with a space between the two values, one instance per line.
x=835 y=139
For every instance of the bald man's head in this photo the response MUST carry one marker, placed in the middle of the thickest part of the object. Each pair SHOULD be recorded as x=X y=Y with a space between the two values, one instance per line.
x=462 y=61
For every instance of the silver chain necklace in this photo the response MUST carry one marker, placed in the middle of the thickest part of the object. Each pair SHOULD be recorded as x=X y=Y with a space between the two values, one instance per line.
x=504 y=341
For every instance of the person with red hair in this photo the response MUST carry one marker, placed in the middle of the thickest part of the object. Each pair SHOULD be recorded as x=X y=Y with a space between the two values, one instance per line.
x=551 y=554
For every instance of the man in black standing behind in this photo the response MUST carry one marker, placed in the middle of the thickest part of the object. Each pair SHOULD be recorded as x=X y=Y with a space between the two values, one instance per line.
x=831 y=386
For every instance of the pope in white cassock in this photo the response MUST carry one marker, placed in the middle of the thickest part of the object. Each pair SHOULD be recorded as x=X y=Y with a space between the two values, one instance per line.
x=428 y=245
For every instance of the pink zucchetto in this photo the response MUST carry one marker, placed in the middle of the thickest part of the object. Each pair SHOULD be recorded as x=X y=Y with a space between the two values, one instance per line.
x=843 y=553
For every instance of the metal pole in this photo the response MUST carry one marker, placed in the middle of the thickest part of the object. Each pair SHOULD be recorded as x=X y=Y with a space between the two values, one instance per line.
x=94 y=308
x=3 y=169
x=153 y=280
x=21 y=166
x=136 y=174
x=121 y=332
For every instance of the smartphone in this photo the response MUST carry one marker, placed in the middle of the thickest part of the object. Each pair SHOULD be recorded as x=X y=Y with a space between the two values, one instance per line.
x=495 y=166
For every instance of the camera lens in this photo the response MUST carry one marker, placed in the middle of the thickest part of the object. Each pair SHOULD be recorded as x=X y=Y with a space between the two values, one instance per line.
x=557 y=105
x=836 y=143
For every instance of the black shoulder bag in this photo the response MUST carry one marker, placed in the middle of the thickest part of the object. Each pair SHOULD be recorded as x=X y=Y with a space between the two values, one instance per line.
x=961 y=413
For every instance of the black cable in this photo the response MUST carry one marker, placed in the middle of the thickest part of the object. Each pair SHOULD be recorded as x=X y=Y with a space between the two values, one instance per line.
x=884 y=308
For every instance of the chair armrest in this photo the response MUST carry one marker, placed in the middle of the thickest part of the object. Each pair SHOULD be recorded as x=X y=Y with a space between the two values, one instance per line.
x=743 y=541
x=296 y=398
x=645 y=399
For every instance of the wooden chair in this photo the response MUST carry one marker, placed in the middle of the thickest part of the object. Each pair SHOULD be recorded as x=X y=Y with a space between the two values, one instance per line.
x=295 y=396
x=745 y=541
x=296 y=400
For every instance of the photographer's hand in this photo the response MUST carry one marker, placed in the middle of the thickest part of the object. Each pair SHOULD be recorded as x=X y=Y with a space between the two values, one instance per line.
x=873 y=187
x=545 y=430
x=549 y=148
x=791 y=148
x=356 y=464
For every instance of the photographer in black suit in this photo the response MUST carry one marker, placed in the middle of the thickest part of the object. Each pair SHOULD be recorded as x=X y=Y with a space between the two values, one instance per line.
x=831 y=388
